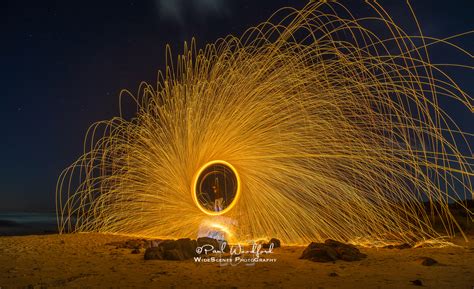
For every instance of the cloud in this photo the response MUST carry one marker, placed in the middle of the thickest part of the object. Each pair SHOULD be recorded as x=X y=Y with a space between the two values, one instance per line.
x=175 y=10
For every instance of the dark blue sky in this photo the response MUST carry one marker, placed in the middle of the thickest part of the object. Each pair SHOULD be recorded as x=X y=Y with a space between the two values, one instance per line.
x=64 y=62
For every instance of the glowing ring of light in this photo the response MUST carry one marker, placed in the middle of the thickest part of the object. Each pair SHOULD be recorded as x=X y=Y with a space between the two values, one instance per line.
x=194 y=191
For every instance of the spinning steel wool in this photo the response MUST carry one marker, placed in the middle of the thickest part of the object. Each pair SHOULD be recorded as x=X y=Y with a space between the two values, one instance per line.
x=312 y=125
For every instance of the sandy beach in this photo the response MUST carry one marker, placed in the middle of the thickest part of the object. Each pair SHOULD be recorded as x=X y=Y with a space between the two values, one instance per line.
x=89 y=261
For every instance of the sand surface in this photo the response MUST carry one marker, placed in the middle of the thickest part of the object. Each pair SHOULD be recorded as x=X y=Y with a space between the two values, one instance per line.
x=86 y=261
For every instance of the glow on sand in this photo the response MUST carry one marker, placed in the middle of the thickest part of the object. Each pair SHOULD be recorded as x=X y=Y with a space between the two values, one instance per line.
x=334 y=124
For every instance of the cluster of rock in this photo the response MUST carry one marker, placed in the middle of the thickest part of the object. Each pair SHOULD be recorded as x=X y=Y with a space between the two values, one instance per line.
x=330 y=251
x=184 y=249
x=181 y=249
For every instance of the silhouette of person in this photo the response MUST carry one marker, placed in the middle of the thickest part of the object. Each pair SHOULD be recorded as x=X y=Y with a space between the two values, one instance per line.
x=218 y=198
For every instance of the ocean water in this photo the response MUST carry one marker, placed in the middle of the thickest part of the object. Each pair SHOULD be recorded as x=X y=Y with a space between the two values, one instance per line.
x=26 y=223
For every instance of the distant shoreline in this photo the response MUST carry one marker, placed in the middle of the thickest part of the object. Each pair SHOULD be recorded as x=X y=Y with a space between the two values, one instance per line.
x=27 y=223
x=23 y=223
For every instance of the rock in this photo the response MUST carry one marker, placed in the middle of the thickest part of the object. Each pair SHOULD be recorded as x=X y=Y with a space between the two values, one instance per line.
x=331 y=250
x=188 y=247
x=427 y=261
x=181 y=249
x=345 y=252
x=275 y=241
x=154 y=253
x=216 y=244
x=167 y=245
x=174 y=254
x=333 y=274
x=208 y=241
x=136 y=251
x=417 y=282
x=227 y=247
x=318 y=252
x=399 y=246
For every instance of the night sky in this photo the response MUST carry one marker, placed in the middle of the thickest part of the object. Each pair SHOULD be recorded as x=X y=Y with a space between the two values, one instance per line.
x=63 y=64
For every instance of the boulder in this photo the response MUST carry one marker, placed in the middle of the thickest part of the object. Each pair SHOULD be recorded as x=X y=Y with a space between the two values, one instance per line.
x=181 y=249
x=275 y=241
x=346 y=252
x=330 y=251
x=154 y=253
x=187 y=247
x=318 y=252
x=216 y=244
x=167 y=245
x=174 y=254
x=208 y=241
x=227 y=247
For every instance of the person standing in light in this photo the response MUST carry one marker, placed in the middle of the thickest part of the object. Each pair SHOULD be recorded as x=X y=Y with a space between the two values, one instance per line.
x=218 y=198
